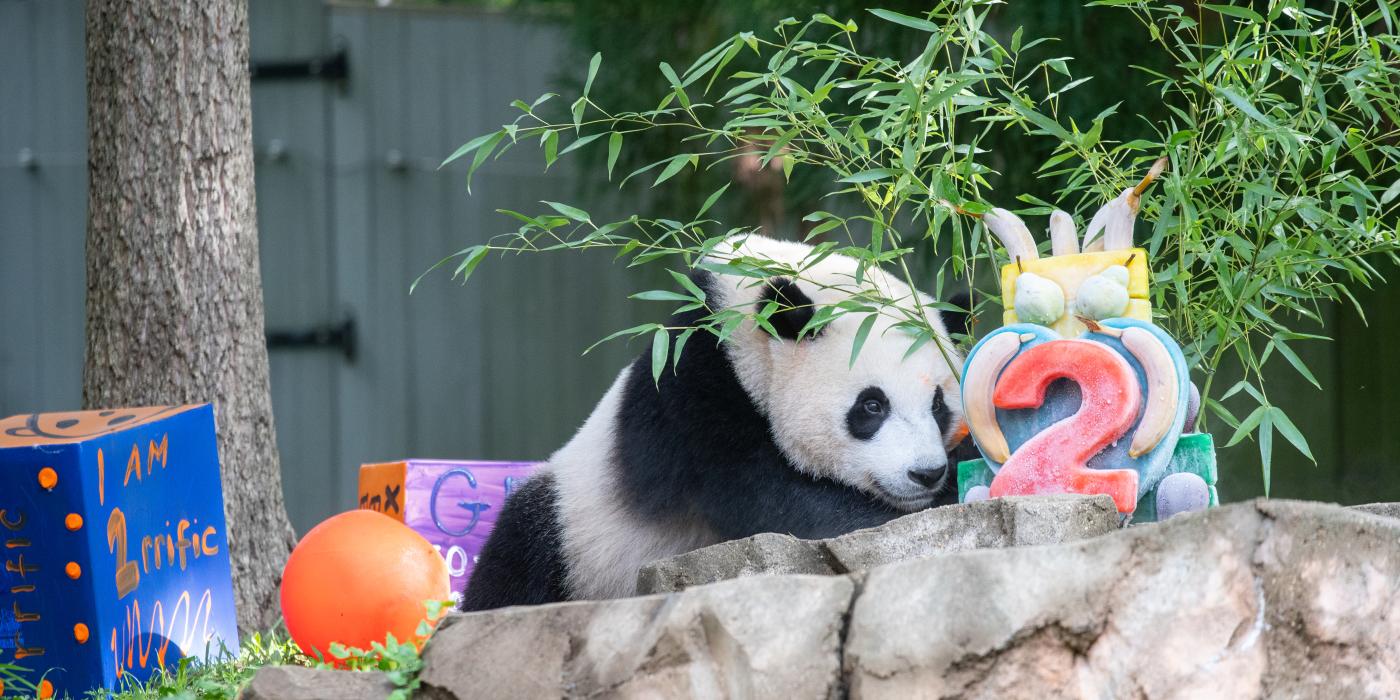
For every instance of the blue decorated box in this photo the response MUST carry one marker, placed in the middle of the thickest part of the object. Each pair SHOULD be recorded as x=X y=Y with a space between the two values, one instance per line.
x=115 y=550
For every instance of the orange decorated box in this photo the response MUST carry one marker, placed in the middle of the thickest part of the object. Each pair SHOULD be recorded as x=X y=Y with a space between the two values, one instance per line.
x=114 y=547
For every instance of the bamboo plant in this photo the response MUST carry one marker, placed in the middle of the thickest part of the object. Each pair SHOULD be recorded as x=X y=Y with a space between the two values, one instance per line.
x=1279 y=193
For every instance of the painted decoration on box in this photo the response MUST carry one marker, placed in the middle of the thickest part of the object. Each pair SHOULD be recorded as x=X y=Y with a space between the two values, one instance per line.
x=454 y=504
x=115 y=549
x=1079 y=392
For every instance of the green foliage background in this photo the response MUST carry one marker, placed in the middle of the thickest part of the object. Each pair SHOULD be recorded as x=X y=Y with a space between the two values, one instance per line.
x=1280 y=119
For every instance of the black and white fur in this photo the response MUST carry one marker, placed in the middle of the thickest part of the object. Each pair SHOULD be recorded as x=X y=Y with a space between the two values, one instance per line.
x=758 y=434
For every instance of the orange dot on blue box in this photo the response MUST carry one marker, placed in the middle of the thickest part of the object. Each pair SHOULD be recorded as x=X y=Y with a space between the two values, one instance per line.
x=48 y=478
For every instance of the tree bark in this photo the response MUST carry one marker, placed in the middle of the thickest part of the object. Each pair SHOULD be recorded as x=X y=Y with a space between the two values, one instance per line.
x=174 y=294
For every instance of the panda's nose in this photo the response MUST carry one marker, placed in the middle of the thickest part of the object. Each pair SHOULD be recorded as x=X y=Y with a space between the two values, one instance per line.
x=927 y=477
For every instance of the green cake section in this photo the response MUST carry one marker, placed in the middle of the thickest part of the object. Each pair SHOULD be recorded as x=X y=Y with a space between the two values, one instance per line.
x=973 y=472
x=1194 y=454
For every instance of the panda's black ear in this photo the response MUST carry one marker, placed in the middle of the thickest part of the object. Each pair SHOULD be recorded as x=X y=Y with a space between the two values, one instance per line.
x=795 y=308
x=956 y=321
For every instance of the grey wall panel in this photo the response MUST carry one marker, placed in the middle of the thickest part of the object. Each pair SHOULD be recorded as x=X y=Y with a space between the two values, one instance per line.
x=386 y=358
x=357 y=410
x=293 y=178
x=42 y=205
x=19 y=308
x=61 y=178
x=444 y=376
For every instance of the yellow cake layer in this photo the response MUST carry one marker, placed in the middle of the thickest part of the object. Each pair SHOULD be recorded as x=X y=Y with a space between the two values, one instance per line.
x=1070 y=271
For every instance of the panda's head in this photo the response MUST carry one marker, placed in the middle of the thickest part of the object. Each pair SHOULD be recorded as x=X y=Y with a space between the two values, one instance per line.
x=885 y=424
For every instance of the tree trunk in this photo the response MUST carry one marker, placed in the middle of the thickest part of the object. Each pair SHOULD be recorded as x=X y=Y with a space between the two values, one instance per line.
x=174 y=295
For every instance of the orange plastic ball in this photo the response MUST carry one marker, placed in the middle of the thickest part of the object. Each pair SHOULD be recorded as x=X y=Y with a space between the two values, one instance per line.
x=357 y=577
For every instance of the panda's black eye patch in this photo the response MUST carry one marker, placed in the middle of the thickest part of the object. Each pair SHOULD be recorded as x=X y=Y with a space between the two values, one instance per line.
x=941 y=414
x=794 y=310
x=868 y=413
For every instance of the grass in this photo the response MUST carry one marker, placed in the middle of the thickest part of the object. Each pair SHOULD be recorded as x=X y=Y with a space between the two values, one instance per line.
x=227 y=675
x=221 y=679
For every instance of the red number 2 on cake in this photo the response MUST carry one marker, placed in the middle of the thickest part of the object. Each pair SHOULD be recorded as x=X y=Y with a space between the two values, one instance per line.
x=1055 y=460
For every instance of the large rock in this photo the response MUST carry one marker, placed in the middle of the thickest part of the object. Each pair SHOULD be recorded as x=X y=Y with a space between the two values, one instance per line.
x=1266 y=599
x=1005 y=522
x=761 y=637
x=1262 y=599
x=298 y=683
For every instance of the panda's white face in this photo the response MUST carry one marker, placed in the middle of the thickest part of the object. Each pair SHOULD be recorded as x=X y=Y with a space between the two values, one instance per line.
x=874 y=426
x=883 y=425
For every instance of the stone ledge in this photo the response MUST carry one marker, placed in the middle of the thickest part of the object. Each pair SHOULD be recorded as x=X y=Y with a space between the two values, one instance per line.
x=997 y=523
x=1259 y=599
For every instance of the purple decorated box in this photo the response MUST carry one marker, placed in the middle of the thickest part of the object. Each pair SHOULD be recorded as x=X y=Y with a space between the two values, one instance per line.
x=452 y=504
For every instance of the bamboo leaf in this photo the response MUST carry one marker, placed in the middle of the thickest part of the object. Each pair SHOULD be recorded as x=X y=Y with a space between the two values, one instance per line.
x=476 y=252
x=679 y=90
x=1046 y=124
x=673 y=167
x=1290 y=432
x=1248 y=425
x=670 y=74
x=1235 y=11
x=861 y=333
x=468 y=147
x=660 y=295
x=689 y=285
x=1391 y=193
x=634 y=330
x=581 y=142
x=869 y=175
x=572 y=212
x=1245 y=106
x=1266 y=448
x=551 y=148
x=593 y=64
x=614 y=148
x=660 y=346
x=922 y=25
x=710 y=201
x=1293 y=359
x=482 y=154
x=680 y=345
x=576 y=110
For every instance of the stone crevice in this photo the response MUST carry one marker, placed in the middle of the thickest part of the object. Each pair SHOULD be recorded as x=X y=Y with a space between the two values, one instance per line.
x=843 y=685
x=832 y=561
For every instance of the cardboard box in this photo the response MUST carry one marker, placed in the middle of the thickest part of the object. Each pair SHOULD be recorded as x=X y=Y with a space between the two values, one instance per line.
x=114 y=545
x=453 y=504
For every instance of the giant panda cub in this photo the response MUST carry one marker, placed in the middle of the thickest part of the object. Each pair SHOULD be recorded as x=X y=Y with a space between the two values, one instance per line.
x=755 y=434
